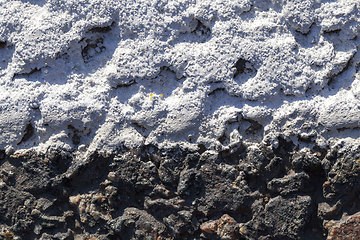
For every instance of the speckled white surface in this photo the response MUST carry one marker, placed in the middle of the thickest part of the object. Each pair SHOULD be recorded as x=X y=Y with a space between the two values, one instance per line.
x=95 y=75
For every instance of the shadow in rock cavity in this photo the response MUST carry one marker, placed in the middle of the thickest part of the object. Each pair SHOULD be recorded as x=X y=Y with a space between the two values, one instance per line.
x=84 y=57
x=244 y=70
x=308 y=40
x=197 y=32
x=161 y=85
x=98 y=45
x=35 y=2
x=164 y=83
x=216 y=104
x=6 y=53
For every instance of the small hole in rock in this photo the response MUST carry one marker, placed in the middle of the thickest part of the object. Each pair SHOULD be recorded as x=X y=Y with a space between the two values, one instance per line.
x=240 y=66
x=2 y=44
x=75 y=137
x=29 y=131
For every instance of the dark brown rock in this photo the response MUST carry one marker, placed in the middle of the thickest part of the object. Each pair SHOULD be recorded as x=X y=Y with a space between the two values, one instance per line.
x=347 y=228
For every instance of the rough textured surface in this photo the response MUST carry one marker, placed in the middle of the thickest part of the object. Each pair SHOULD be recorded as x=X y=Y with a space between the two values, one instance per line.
x=347 y=228
x=91 y=75
x=254 y=193
x=188 y=119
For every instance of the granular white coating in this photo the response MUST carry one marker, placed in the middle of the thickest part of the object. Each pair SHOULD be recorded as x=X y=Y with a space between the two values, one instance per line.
x=96 y=75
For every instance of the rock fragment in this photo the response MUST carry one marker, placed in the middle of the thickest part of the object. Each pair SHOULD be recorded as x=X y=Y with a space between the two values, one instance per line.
x=138 y=224
x=346 y=228
x=225 y=227
x=289 y=184
x=280 y=217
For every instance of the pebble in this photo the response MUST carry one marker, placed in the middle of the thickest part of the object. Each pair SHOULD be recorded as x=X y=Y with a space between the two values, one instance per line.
x=35 y=212
x=74 y=200
x=2 y=184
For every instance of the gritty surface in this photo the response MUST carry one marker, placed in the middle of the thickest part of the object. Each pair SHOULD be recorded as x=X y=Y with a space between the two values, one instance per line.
x=94 y=75
x=251 y=193
x=348 y=228
x=182 y=119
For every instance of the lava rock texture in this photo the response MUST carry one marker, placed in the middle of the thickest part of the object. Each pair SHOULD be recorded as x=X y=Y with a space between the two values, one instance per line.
x=179 y=119
x=249 y=192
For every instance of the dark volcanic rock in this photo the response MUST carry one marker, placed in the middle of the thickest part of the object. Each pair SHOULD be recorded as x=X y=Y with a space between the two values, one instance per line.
x=138 y=224
x=281 y=218
x=253 y=192
x=289 y=184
